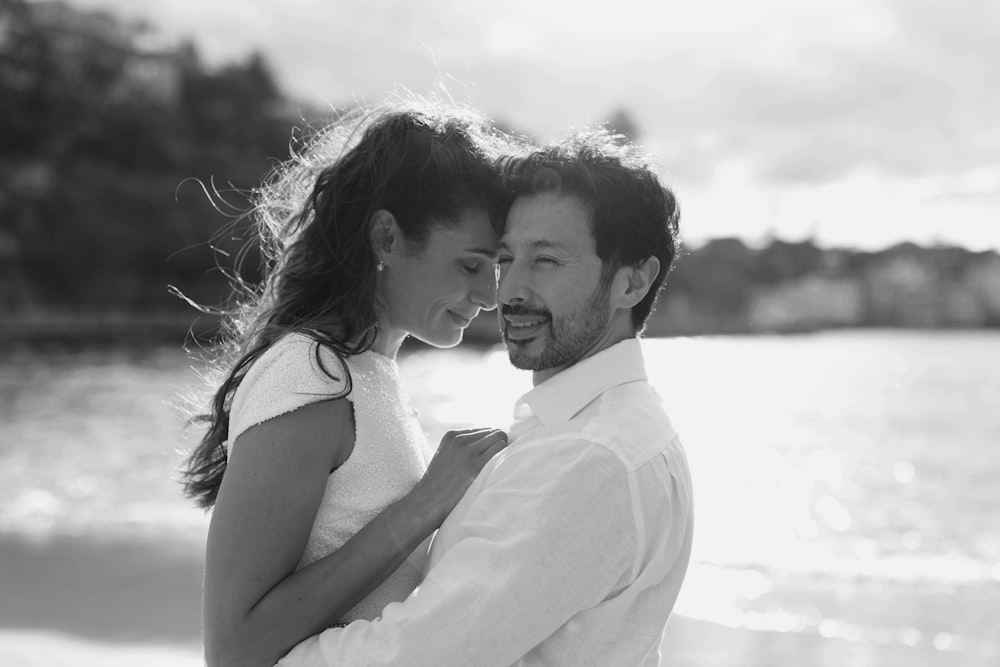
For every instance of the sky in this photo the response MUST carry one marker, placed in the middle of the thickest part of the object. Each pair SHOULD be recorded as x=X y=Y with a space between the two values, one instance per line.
x=855 y=123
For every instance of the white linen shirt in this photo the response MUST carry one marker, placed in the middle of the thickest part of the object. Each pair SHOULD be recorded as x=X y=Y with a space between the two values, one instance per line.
x=568 y=549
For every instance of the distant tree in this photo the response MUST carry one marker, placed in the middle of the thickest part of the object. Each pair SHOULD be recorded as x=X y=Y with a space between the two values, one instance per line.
x=90 y=167
x=26 y=79
x=621 y=122
x=716 y=276
x=783 y=261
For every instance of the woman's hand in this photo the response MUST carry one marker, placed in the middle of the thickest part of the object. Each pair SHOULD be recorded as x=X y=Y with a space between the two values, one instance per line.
x=459 y=458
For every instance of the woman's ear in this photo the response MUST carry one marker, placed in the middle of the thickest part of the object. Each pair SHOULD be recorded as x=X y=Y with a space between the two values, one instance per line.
x=385 y=233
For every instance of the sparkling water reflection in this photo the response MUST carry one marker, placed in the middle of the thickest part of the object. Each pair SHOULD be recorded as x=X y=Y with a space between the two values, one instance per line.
x=845 y=482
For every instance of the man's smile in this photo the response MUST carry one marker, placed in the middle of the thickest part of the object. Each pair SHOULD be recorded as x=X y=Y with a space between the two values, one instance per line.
x=520 y=328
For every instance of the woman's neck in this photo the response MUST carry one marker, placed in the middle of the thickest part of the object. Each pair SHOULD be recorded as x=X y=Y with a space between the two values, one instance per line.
x=388 y=341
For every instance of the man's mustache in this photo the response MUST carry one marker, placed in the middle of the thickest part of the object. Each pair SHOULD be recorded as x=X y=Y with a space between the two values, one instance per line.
x=522 y=310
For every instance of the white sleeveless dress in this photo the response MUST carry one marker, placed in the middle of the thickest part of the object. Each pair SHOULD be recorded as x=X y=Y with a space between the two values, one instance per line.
x=390 y=452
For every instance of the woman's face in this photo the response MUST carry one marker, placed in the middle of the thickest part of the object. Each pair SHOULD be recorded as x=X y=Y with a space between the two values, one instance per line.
x=433 y=292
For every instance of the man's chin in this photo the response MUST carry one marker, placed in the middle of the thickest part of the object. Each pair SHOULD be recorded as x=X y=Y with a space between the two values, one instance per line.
x=520 y=359
x=528 y=354
x=525 y=364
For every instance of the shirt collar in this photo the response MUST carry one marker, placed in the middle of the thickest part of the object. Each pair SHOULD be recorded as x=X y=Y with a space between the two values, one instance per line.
x=563 y=395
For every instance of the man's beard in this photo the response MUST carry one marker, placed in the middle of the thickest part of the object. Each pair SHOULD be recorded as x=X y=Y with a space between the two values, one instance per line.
x=566 y=339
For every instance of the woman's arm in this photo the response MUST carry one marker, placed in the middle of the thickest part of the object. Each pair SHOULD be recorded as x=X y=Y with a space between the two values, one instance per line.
x=257 y=606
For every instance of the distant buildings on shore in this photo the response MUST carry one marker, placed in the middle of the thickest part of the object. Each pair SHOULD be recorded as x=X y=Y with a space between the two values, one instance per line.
x=904 y=286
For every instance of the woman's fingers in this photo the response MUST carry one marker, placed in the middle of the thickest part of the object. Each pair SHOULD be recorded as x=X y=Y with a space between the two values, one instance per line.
x=494 y=444
x=486 y=438
x=469 y=436
x=463 y=435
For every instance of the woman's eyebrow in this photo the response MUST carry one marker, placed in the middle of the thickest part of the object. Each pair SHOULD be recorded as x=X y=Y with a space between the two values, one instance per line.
x=485 y=252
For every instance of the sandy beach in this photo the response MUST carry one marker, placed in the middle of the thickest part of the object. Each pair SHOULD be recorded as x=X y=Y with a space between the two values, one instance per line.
x=112 y=602
x=99 y=601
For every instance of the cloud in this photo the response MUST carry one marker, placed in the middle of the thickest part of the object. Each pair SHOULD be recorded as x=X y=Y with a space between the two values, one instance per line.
x=792 y=96
x=921 y=100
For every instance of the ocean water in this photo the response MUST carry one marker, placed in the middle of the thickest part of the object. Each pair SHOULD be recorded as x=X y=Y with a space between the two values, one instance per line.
x=846 y=483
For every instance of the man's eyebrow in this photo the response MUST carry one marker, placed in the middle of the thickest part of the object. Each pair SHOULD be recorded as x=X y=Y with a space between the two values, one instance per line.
x=543 y=244
x=540 y=244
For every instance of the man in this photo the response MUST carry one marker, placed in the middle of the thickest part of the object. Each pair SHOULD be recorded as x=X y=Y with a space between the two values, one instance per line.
x=571 y=545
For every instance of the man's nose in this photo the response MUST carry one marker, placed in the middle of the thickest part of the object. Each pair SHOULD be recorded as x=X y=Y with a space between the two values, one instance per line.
x=511 y=288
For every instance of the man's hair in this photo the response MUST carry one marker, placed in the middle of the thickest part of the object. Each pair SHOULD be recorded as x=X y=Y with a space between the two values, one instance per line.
x=633 y=216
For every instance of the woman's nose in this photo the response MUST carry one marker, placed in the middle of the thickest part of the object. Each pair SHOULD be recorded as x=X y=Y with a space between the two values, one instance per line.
x=484 y=291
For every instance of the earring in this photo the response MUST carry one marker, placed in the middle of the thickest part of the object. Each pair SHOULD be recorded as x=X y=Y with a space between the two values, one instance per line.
x=380 y=266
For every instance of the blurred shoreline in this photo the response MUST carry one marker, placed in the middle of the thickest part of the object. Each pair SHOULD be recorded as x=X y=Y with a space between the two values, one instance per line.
x=103 y=588
x=86 y=327
x=81 y=600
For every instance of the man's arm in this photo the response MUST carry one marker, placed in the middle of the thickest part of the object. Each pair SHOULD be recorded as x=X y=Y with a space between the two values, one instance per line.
x=551 y=533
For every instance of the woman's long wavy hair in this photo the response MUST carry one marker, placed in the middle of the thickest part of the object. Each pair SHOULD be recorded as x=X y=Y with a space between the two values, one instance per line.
x=424 y=162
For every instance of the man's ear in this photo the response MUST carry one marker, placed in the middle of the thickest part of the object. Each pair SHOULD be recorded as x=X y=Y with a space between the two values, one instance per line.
x=386 y=234
x=635 y=282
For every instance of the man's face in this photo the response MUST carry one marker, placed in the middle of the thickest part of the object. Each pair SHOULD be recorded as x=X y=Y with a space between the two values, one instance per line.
x=553 y=305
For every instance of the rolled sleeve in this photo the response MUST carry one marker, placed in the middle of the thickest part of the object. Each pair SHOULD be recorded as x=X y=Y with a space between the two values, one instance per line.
x=549 y=533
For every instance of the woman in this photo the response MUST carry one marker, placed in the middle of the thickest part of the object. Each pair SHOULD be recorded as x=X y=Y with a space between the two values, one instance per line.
x=322 y=483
